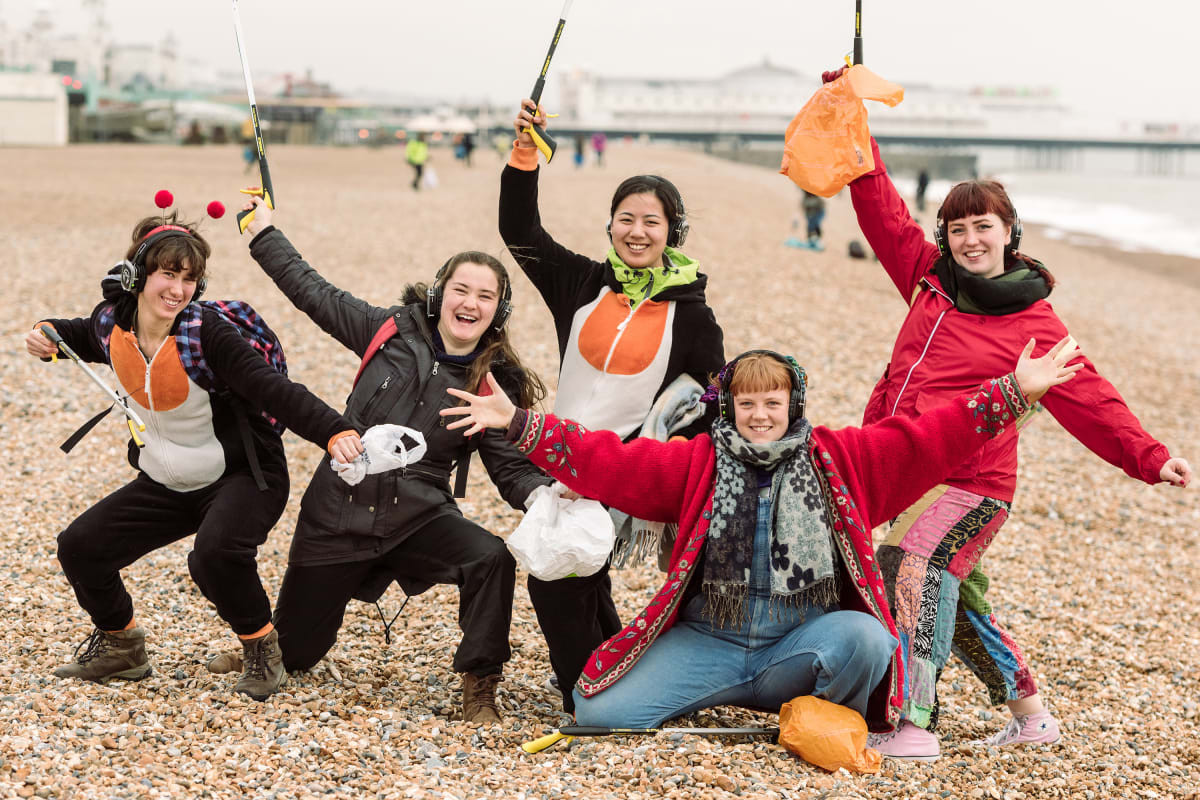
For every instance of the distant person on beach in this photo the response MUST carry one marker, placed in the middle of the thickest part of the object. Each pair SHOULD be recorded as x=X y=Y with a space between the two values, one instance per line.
x=580 y=150
x=416 y=152
x=773 y=592
x=629 y=326
x=922 y=187
x=814 y=214
x=211 y=464
x=599 y=144
x=974 y=301
x=351 y=542
x=468 y=146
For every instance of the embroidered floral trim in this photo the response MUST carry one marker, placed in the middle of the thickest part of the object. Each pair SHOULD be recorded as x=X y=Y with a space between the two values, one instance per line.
x=998 y=403
x=556 y=439
x=530 y=431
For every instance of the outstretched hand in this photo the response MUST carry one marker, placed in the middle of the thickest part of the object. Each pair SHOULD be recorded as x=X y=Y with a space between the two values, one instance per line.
x=262 y=215
x=1177 y=472
x=493 y=411
x=37 y=345
x=1037 y=375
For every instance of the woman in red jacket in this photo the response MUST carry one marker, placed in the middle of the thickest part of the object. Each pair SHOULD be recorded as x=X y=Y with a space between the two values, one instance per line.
x=773 y=591
x=973 y=303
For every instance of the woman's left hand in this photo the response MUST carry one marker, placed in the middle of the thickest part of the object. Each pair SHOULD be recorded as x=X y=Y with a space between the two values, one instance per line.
x=1177 y=472
x=262 y=215
x=493 y=411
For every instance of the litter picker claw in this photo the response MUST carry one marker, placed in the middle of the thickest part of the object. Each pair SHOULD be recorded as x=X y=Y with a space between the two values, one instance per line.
x=544 y=141
x=132 y=419
x=569 y=732
x=265 y=190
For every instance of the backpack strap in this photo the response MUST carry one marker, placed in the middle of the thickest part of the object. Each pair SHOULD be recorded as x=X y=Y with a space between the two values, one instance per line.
x=463 y=465
x=83 y=431
x=386 y=331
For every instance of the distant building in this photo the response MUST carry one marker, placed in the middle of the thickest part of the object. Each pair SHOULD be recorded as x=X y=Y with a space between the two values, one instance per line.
x=33 y=110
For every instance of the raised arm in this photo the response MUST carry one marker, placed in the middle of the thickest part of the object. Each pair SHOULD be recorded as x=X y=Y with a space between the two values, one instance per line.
x=890 y=464
x=893 y=234
x=645 y=478
x=337 y=312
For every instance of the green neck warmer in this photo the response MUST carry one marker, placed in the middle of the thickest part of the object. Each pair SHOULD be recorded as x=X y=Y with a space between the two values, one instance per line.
x=644 y=284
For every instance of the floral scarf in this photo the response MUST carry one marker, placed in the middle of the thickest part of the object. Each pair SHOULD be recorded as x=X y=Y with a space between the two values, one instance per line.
x=802 y=561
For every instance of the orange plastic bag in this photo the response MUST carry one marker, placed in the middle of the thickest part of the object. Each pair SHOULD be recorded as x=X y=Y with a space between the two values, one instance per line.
x=827 y=735
x=828 y=144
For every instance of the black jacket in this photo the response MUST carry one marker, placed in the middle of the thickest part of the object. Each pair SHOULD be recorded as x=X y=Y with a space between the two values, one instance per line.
x=403 y=384
x=569 y=281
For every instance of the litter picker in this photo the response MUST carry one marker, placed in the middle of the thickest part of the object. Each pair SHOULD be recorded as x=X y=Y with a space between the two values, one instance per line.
x=569 y=732
x=265 y=190
x=544 y=141
x=132 y=419
x=858 y=31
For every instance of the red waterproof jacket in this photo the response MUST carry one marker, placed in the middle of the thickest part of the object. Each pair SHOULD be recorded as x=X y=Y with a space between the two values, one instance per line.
x=942 y=352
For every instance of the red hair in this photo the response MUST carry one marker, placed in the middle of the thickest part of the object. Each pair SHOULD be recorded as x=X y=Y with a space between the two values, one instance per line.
x=976 y=198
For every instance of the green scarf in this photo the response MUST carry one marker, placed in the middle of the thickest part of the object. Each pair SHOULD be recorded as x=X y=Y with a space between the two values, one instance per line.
x=642 y=284
x=1009 y=292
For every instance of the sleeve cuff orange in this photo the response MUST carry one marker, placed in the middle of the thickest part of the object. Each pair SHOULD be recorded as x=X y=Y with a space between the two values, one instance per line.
x=523 y=158
x=337 y=436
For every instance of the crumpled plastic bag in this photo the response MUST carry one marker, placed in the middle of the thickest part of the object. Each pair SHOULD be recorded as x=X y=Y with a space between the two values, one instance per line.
x=827 y=735
x=561 y=538
x=828 y=143
x=383 y=449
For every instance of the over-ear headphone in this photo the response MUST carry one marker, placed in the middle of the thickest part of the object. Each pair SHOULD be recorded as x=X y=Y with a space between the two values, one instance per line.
x=795 y=398
x=436 y=290
x=943 y=244
x=133 y=270
x=677 y=235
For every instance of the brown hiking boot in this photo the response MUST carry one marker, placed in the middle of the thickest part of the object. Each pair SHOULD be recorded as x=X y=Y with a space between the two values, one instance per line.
x=105 y=656
x=479 y=698
x=222 y=663
x=263 y=673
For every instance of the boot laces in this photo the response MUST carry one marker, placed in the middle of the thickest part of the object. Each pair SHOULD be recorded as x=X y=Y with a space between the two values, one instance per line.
x=256 y=660
x=485 y=692
x=95 y=645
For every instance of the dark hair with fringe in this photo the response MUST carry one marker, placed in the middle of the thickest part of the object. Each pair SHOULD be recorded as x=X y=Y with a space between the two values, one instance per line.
x=497 y=350
x=978 y=197
x=188 y=253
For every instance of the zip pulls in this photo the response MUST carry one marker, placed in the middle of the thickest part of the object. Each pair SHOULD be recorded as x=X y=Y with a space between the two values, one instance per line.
x=435 y=367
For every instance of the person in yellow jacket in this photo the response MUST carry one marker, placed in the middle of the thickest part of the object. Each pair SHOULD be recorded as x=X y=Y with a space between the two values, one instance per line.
x=417 y=153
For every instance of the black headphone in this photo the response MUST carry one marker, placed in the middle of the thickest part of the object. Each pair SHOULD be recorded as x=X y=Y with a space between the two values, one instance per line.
x=132 y=272
x=677 y=235
x=795 y=399
x=943 y=244
x=433 y=296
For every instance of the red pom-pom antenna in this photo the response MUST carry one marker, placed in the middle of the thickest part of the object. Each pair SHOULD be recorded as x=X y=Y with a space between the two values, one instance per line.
x=163 y=198
x=216 y=209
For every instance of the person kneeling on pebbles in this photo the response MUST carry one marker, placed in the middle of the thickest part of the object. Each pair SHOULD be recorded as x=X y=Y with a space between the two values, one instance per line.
x=351 y=542
x=211 y=464
x=773 y=591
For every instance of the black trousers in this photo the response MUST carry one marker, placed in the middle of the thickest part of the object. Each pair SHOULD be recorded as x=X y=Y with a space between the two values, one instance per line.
x=448 y=550
x=230 y=518
x=418 y=172
x=576 y=615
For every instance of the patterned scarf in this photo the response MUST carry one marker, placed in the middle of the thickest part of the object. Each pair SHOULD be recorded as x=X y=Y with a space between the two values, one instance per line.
x=802 y=569
x=642 y=284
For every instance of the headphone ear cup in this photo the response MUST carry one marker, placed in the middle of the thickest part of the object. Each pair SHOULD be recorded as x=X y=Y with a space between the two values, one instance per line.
x=679 y=233
x=939 y=237
x=1015 y=239
x=608 y=231
x=132 y=276
x=201 y=287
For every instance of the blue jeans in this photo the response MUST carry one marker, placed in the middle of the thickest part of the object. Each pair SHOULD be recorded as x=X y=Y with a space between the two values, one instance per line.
x=839 y=656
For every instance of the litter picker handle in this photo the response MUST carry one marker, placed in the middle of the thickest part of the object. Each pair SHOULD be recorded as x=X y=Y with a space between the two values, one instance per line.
x=549 y=740
x=598 y=730
x=266 y=190
x=544 y=141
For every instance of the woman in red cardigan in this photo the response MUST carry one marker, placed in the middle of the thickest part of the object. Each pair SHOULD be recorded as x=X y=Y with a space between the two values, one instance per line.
x=773 y=581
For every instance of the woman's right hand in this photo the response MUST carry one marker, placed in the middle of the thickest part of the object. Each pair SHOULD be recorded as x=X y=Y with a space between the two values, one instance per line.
x=37 y=345
x=526 y=118
x=262 y=215
x=1036 y=375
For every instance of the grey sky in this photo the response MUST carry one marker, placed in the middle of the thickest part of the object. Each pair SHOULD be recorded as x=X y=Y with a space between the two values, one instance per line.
x=1131 y=60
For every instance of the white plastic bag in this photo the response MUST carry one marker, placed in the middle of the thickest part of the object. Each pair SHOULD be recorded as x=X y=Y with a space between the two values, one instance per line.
x=383 y=450
x=561 y=538
x=429 y=177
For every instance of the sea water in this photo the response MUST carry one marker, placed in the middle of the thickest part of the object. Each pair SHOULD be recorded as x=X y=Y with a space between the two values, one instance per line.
x=1108 y=194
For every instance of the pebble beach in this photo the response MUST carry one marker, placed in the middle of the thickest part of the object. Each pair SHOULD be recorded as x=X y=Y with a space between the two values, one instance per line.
x=1096 y=575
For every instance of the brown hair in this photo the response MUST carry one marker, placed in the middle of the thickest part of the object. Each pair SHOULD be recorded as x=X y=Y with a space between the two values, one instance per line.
x=759 y=372
x=497 y=349
x=188 y=253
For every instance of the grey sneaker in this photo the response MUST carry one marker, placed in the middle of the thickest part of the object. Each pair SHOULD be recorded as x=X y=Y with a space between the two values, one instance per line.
x=103 y=656
x=263 y=673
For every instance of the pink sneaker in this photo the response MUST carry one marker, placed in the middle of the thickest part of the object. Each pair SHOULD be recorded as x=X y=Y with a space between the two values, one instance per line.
x=1039 y=728
x=908 y=742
